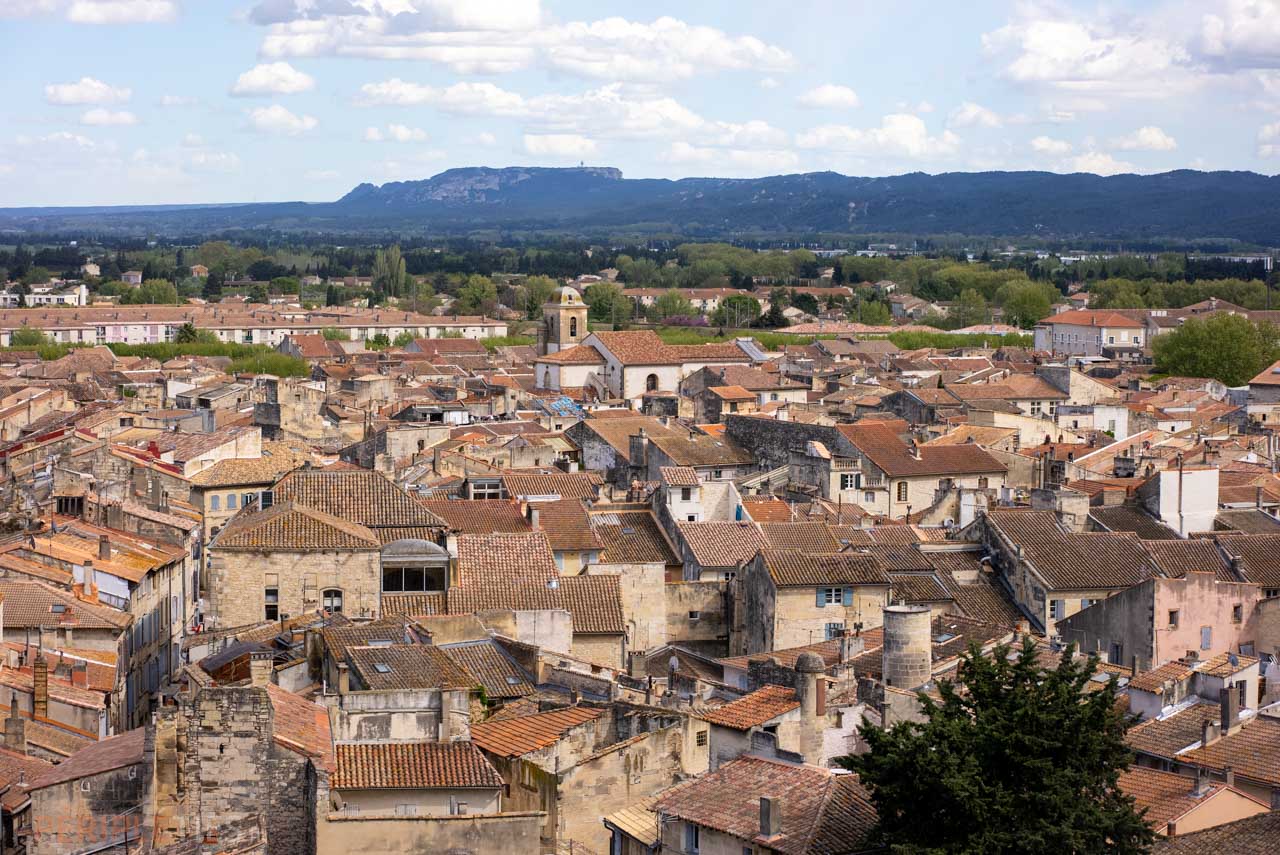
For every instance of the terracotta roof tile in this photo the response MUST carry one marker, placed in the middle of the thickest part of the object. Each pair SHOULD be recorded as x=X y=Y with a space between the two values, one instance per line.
x=1253 y=751
x=360 y=496
x=631 y=537
x=567 y=485
x=301 y=725
x=1256 y=835
x=413 y=765
x=479 y=516
x=882 y=447
x=595 y=602
x=822 y=812
x=567 y=526
x=722 y=544
x=406 y=666
x=679 y=476
x=294 y=527
x=115 y=752
x=1164 y=796
x=414 y=605
x=490 y=667
x=806 y=536
x=790 y=568
x=32 y=603
x=1123 y=518
x=1177 y=558
x=753 y=710
x=1259 y=554
x=501 y=558
x=517 y=736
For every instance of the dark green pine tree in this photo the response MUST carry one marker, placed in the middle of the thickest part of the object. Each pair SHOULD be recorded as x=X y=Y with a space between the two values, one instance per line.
x=1014 y=758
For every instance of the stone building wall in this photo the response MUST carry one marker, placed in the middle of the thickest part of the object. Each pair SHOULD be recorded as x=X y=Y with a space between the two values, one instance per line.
x=237 y=579
x=235 y=772
x=69 y=817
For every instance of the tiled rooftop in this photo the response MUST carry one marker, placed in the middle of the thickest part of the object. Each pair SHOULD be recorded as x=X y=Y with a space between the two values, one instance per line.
x=413 y=765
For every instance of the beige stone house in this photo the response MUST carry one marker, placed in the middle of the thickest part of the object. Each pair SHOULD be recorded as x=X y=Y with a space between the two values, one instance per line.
x=890 y=477
x=788 y=598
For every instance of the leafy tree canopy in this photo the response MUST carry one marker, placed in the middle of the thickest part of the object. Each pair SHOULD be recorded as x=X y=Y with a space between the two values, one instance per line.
x=1230 y=348
x=1016 y=757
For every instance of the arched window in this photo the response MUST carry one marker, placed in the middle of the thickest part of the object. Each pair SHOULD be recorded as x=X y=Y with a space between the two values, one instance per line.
x=651 y=383
x=573 y=328
x=332 y=600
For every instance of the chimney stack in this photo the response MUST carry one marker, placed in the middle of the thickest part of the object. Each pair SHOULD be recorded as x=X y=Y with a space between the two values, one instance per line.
x=770 y=816
x=811 y=688
x=261 y=664
x=15 y=729
x=104 y=548
x=1227 y=704
x=40 y=687
x=344 y=678
x=1202 y=783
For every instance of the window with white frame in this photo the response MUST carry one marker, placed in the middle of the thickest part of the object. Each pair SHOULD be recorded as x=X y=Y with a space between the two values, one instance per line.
x=832 y=596
x=834 y=630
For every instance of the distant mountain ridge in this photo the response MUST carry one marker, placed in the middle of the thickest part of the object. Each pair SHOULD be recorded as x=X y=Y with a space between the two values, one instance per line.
x=1184 y=204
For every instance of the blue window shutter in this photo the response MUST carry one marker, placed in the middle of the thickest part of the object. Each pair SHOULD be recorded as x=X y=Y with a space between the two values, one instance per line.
x=821 y=599
x=848 y=596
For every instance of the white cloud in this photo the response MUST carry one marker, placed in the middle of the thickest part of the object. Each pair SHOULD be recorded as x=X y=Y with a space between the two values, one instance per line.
x=899 y=134
x=463 y=98
x=559 y=145
x=1048 y=145
x=86 y=90
x=1269 y=140
x=214 y=161
x=103 y=116
x=483 y=138
x=58 y=139
x=122 y=11
x=321 y=174
x=412 y=15
x=613 y=110
x=1099 y=163
x=27 y=8
x=272 y=78
x=170 y=101
x=494 y=38
x=278 y=120
x=404 y=133
x=1089 y=60
x=754 y=161
x=1146 y=138
x=769 y=83
x=1242 y=33
x=830 y=96
x=395 y=133
x=970 y=114
x=192 y=141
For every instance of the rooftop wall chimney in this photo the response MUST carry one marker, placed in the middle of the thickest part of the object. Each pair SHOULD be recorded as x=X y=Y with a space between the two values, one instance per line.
x=15 y=730
x=104 y=548
x=261 y=664
x=770 y=816
x=40 y=687
x=1227 y=705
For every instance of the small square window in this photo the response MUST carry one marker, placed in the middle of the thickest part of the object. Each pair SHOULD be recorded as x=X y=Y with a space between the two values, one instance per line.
x=1237 y=613
x=695 y=615
x=701 y=738
x=686 y=494
x=1173 y=618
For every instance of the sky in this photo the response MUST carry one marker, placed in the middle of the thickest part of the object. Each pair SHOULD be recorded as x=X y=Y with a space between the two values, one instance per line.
x=186 y=101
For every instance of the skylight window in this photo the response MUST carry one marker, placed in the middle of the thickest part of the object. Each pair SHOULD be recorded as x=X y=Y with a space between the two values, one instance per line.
x=382 y=668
